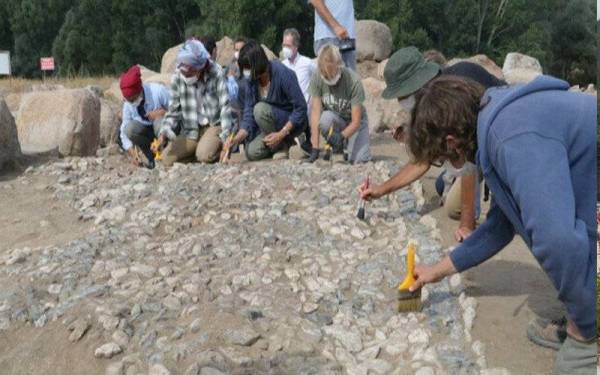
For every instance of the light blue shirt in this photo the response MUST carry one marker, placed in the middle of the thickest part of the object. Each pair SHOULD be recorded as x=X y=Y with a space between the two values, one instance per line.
x=343 y=12
x=156 y=97
x=232 y=88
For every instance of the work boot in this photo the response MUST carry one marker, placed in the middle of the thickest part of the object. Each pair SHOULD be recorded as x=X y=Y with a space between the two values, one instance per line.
x=576 y=358
x=548 y=333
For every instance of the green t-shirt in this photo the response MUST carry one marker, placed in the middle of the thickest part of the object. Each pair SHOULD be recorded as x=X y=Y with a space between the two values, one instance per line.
x=342 y=97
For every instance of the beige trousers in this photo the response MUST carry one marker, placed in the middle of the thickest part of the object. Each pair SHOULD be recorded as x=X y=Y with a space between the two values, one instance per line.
x=206 y=150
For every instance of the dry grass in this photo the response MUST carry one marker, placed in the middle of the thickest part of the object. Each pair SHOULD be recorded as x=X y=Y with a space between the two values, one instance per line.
x=20 y=85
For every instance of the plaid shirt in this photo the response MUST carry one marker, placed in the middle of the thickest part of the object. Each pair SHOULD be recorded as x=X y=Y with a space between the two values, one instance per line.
x=183 y=106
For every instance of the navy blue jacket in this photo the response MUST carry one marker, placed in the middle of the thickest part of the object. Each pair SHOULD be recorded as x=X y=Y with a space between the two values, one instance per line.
x=537 y=151
x=284 y=94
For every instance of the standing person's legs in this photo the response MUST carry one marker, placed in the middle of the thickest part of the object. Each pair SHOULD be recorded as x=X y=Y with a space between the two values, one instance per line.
x=209 y=145
x=142 y=136
x=179 y=149
x=359 y=150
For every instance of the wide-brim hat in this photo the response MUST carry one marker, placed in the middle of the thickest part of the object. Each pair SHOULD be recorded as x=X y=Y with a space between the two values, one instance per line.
x=406 y=72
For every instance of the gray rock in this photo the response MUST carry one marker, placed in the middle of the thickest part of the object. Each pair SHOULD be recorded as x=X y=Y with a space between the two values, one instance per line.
x=78 y=328
x=244 y=336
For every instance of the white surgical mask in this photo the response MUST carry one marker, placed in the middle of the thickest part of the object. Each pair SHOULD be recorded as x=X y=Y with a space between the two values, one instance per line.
x=190 y=80
x=408 y=104
x=333 y=81
x=136 y=103
x=247 y=74
x=287 y=53
x=468 y=169
x=236 y=55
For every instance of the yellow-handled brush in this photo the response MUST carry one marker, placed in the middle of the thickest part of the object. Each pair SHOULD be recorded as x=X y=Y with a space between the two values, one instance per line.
x=157 y=155
x=409 y=301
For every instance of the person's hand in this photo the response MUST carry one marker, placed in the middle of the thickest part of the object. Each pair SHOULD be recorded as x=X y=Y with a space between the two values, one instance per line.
x=227 y=147
x=156 y=114
x=462 y=233
x=274 y=139
x=370 y=193
x=341 y=32
x=134 y=157
x=336 y=141
x=432 y=274
x=314 y=155
x=156 y=147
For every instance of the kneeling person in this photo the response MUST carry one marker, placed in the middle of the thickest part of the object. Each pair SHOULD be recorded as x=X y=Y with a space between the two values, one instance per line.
x=199 y=117
x=143 y=110
x=274 y=110
x=337 y=111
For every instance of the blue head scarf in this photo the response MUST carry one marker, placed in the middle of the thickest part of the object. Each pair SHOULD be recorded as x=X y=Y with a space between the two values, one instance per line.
x=192 y=54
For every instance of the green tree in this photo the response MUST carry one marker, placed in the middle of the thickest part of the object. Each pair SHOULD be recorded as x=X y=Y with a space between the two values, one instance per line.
x=34 y=25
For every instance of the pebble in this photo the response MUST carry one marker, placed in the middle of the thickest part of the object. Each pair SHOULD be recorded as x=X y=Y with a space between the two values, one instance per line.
x=78 y=328
x=108 y=350
x=158 y=369
x=244 y=336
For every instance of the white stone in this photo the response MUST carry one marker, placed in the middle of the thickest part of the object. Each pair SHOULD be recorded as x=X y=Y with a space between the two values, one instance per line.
x=108 y=350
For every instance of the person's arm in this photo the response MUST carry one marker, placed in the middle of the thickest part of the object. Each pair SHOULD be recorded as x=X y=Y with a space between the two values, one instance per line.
x=468 y=192
x=354 y=122
x=340 y=31
x=315 y=117
x=232 y=87
x=357 y=100
x=226 y=115
x=173 y=113
x=296 y=97
x=125 y=141
x=538 y=174
x=406 y=176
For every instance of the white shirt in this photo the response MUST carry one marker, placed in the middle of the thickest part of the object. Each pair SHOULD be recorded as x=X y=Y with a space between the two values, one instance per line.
x=304 y=69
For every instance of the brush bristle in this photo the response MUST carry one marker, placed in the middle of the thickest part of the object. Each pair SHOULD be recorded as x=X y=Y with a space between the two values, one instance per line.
x=409 y=301
x=361 y=213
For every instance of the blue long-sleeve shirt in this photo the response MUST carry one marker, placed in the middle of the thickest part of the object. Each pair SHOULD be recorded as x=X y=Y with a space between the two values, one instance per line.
x=537 y=151
x=284 y=93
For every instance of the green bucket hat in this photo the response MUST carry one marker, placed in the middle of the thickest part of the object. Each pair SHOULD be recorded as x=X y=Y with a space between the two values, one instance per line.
x=406 y=72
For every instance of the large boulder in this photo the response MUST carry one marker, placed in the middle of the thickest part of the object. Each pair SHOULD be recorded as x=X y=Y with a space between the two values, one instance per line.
x=225 y=51
x=10 y=149
x=373 y=40
x=67 y=120
x=167 y=65
x=519 y=68
x=381 y=69
x=483 y=61
x=110 y=122
x=383 y=114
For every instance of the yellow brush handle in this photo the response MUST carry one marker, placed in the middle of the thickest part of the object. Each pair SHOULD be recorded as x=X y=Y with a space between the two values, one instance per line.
x=410 y=268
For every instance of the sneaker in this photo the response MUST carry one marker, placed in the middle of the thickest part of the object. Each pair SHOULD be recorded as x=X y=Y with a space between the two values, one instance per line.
x=548 y=333
x=283 y=153
x=577 y=357
x=304 y=144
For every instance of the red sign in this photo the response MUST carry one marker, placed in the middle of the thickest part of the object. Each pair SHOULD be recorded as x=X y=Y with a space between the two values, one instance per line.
x=47 y=63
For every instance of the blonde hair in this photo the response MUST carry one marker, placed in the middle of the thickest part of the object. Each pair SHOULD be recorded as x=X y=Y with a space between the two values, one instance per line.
x=329 y=55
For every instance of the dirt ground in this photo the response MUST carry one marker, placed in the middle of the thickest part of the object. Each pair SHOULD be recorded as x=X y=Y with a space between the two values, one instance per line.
x=511 y=288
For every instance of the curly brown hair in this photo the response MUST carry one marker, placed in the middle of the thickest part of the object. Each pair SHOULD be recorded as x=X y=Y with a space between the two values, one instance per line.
x=447 y=105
